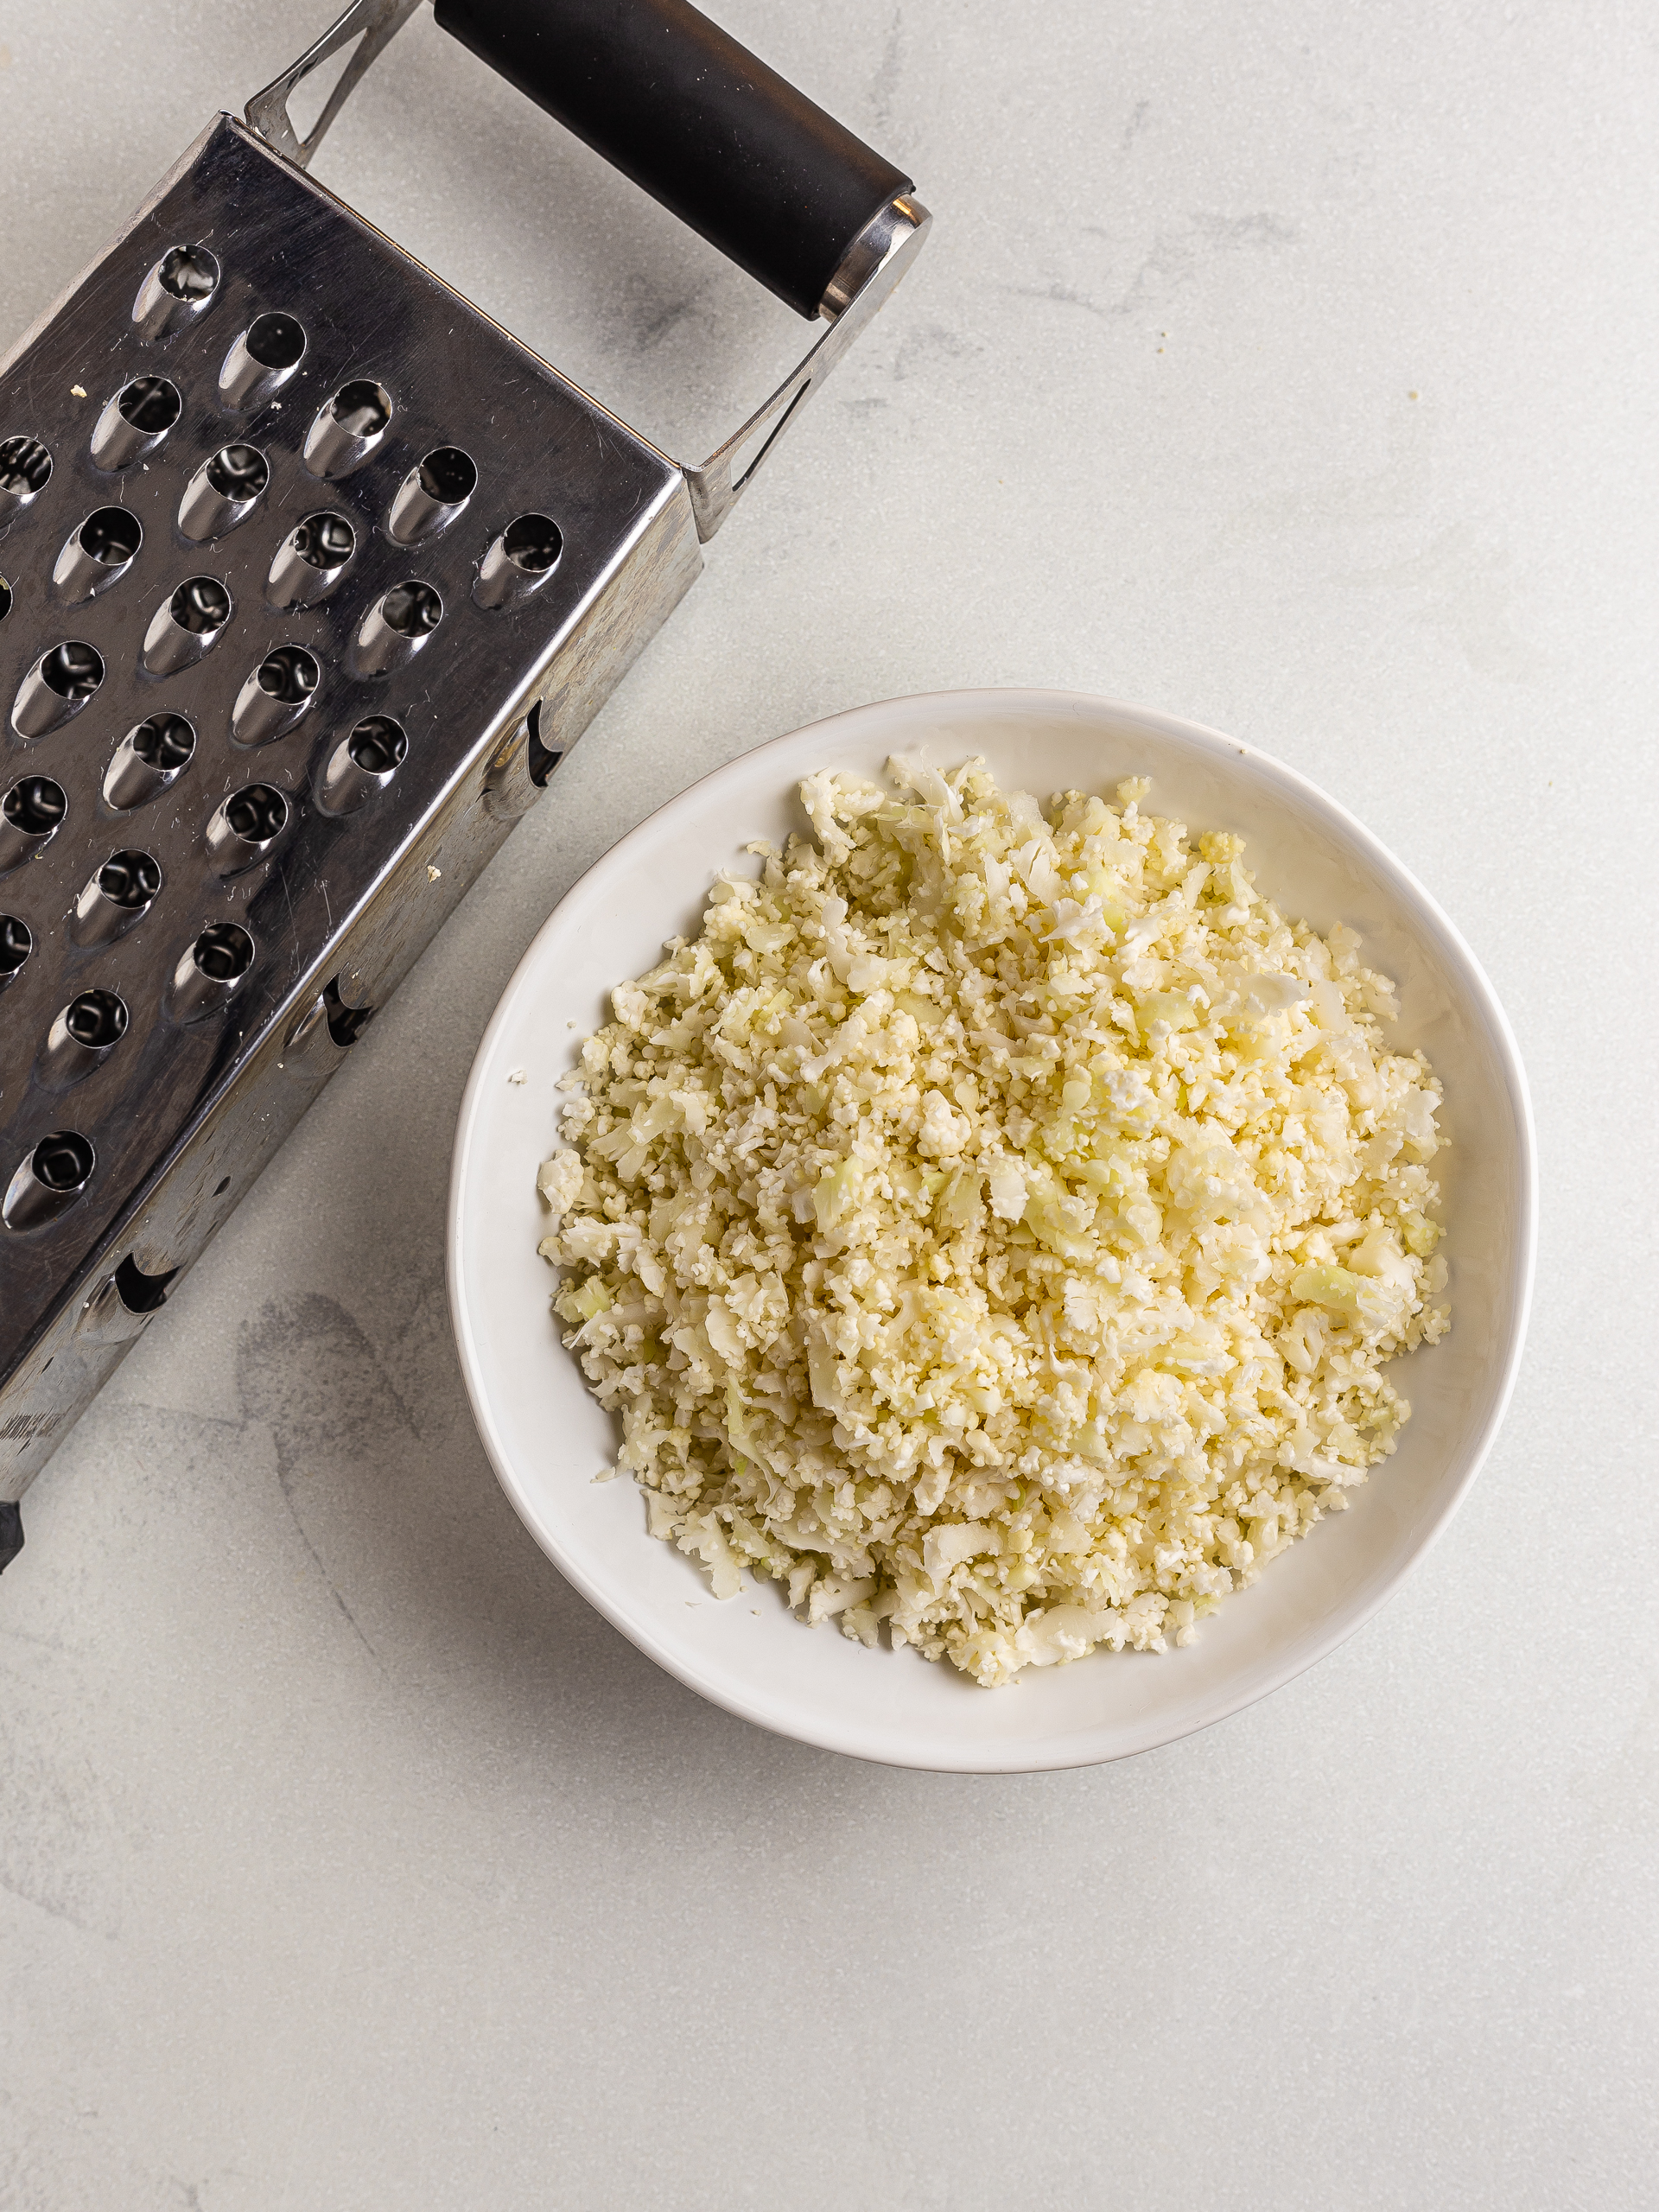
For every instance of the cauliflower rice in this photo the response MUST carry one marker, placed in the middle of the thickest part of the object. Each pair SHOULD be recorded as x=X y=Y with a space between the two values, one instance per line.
x=996 y=1222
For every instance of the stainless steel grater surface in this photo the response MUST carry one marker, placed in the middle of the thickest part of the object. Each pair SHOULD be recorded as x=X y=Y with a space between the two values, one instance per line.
x=311 y=575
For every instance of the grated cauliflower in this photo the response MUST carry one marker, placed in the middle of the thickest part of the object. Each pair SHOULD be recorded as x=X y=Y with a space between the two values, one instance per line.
x=996 y=1222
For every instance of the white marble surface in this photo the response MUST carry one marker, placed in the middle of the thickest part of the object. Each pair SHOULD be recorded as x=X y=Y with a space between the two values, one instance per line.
x=1290 y=369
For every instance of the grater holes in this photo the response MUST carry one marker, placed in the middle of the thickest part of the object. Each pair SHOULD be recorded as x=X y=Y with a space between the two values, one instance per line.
x=345 y=1023
x=324 y=541
x=25 y=471
x=378 y=745
x=51 y=1177
x=520 y=562
x=223 y=952
x=518 y=771
x=262 y=360
x=237 y=473
x=224 y=492
x=82 y=1037
x=97 y=554
x=65 y=1161
x=201 y=605
x=150 y=405
x=397 y=627
x=57 y=688
x=209 y=970
x=117 y=1309
x=97 y=1020
x=17 y=943
x=276 y=341
x=532 y=543
x=412 y=610
x=149 y=758
x=190 y=273
x=289 y=675
x=73 y=670
x=25 y=466
x=449 y=474
x=175 y=290
x=5 y=599
x=542 y=758
x=129 y=880
x=135 y=421
x=276 y=695
x=165 y=743
x=119 y=895
x=325 y=1029
x=432 y=495
x=111 y=536
x=30 y=813
x=257 y=813
x=348 y=428
x=361 y=765
x=138 y=1292
x=310 y=561
x=243 y=830
x=186 y=625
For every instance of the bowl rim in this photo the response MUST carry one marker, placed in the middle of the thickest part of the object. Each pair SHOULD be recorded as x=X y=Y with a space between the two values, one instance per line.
x=1346 y=1620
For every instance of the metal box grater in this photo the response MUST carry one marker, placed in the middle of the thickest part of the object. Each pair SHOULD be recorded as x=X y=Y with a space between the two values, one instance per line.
x=309 y=575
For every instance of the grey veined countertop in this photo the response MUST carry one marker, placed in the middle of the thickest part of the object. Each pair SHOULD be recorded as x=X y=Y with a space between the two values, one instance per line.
x=1289 y=370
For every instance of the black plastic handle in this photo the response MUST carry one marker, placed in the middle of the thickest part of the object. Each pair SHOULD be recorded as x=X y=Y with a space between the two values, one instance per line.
x=720 y=139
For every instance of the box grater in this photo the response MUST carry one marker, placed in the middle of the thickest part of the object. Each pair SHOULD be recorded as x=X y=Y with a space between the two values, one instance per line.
x=309 y=575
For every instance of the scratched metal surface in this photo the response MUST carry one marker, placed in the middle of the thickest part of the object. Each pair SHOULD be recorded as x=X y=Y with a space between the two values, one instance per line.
x=540 y=445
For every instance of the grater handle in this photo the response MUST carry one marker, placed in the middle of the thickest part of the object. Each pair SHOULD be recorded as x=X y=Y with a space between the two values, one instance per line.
x=721 y=141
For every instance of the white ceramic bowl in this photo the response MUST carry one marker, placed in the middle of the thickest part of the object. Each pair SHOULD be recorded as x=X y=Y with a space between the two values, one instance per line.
x=548 y=1439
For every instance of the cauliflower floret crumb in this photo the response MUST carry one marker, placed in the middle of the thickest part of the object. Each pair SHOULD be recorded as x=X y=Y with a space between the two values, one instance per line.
x=996 y=1222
